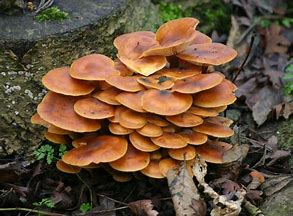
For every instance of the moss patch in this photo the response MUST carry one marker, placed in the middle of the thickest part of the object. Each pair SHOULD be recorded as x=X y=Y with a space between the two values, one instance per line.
x=285 y=134
x=52 y=13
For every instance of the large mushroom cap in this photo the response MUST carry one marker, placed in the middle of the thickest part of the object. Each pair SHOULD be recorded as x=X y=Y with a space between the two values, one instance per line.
x=99 y=149
x=164 y=102
x=150 y=130
x=131 y=100
x=185 y=153
x=215 y=130
x=134 y=160
x=153 y=170
x=198 y=83
x=208 y=54
x=173 y=37
x=131 y=46
x=117 y=129
x=170 y=140
x=200 y=38
x=63 y=167
x=58 y=80
x=213 y=151
x=93 y=67
x=157 y=81
x=92 y=108
x=108 y=96
x=58 y=110
x=142 y=143
x=131 y=119
x=185 y=119
x=128 y=83
x=220 y=95
x=193 y=138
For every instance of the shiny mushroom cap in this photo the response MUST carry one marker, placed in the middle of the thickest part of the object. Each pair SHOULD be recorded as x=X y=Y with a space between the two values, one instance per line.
x=36 y=119
x=150 y=130
x=157 y=81
x=131 y=100
x=185 y=119
x=203 y=112
x=208 y=54
x=173 y=37
x=164 y=102
x=167 y=164
x=128 y=84
x=93 y=67
x=153 y=170
x=142 y=143
x=134 y=160
x=131 y=119
x=220 y=95
x=258 y=175
x=99 y=149
x=198 y=83
x=63 y=167
x=213 y=151
x=170 y=140
x=122 y=68
x=193 y=138
x=118 y=129
x=130 y=48
x=108 y=96
x=55 y=138
x=179 y=73
x=200 y=38
x=59 y=80
x=156 y=120
x=185 y=153
x=92 y=108
x=58 y=110
x=215 y=130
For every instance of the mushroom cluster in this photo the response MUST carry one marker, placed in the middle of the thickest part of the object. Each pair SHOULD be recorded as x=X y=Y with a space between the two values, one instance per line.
x=155 y=105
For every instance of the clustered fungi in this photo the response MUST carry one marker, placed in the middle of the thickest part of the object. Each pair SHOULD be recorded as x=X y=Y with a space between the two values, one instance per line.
x=155 y=105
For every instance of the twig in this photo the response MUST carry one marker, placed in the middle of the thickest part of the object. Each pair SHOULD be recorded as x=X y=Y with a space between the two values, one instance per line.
x=89 y=188
x=246 y=58
x=31 y=210
x=109 y=198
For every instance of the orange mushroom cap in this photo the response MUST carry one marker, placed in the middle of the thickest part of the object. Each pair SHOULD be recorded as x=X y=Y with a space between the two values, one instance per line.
x=108 y=96
x=93 y=67
x=152 y=170
x=59 y=80
x=203 y=112
x=58 y=130
x=170 y=128
x=150 y=130
x=36 y=119
x=220 y=95
x=185 y=153
x=117 y=175
x=258 y=175
x=130 y=48
x=166 y=164
x=128 y=83
x=134 y=160
x=157 y=81
x=55 y=138
x=213 y=151
x=193 y=138
x=173 y=37
x=164 y=102
x=117 y=129
x=200 y=38
x=208 y=54
x=220 y=120
x=185 y=119
x=156 y=120
x=122 y=68
x=63 y=167
x=198 y=83
x=131 y=119
x=215 y=130
x=142 y=143
x=58 y=110
x=99 y=149
x=131 y=100
x=92 y=108
x=170 y=140
x=103 y=85
x=118 y=110
x=181 y=72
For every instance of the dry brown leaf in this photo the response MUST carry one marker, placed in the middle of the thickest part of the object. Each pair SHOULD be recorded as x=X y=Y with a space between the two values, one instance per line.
x=275 y=184
x=185 y=196
x=143 y=208
x=275 y=41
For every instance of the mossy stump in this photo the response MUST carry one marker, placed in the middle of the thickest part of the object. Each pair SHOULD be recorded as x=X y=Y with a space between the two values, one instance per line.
x=28 y=49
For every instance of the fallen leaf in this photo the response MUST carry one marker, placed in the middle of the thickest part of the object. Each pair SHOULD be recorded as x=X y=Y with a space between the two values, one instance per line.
x=275 y=184
x=143 y=208
x=185 y=196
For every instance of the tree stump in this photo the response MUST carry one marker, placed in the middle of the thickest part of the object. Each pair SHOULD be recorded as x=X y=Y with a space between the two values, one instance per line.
x=28 y=49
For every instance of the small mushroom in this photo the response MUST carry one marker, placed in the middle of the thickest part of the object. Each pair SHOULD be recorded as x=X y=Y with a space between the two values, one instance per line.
x=200 y=38
x=108 y=96
x=203 y=112
x=156 y=120
x=131 y=100
x=118 y=129
x=179 y=73
x=152 y=170
x=150 y=130
x=170 y=140
x=131 y=119
x=215 y=130
x=185 y=119
x=128 y=83
x=63 y=167
x=157 y=81
x=167 y=164
x=185 y=153
x=55 y=138
x=193 y=138
x=142 y=143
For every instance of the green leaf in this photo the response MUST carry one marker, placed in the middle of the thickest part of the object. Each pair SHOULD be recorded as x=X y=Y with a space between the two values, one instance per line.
x=85 y=207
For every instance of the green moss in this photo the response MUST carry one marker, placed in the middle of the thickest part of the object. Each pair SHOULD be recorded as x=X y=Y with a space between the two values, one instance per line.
x=213 y=14
x=52 y=13
x=285 y=134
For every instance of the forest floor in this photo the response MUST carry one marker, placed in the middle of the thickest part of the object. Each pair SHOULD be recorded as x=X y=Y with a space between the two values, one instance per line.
x=263 y=35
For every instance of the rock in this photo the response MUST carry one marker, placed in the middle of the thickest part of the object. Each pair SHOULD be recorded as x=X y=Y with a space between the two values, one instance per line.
x=280 y=204
x=28 y=49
